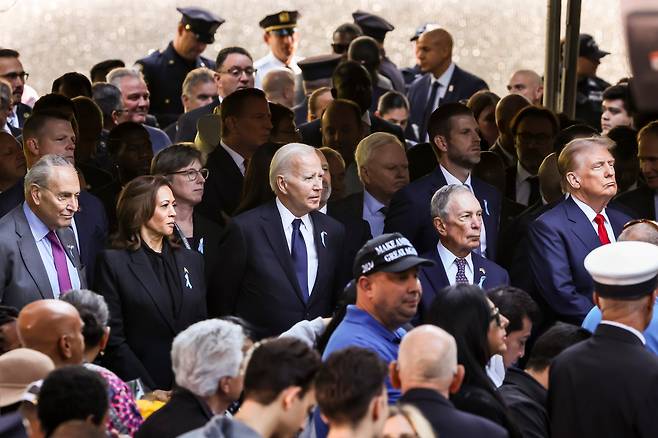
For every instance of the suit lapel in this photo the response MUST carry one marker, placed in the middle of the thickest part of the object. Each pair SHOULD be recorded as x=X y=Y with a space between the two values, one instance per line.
x=479 y=272
x=580 y=225
x=273 y=229
x=617 y=220
x=30 y=255
x=436 y=274
x=143 y=271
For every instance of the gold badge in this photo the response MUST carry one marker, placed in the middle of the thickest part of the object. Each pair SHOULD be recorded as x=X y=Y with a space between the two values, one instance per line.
x=284 y=17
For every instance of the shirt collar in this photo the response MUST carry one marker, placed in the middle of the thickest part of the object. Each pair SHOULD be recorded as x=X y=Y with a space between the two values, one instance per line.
x=444 y=79
x=371 y=203
x=237 y=158
x=323 y=209
x=361 y=317
x=521 y=173
x=589 y=212
x=287 y=217
x=38 y=228
x=365 y=118
x=448 y=258
x=626 y=327
x=451 y=179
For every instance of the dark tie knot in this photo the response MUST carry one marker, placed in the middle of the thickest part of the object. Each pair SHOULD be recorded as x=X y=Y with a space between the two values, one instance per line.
x=383 y=210
x=296 y=223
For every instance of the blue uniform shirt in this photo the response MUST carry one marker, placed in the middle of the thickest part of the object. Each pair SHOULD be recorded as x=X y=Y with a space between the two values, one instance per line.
x=593 y=319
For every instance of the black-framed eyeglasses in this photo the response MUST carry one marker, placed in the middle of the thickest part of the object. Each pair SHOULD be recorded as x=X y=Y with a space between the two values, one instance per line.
x=15 y=75
x=193 y=174
x=641 y=221
x=495 y=316
x=340 y=49
x=236 y=72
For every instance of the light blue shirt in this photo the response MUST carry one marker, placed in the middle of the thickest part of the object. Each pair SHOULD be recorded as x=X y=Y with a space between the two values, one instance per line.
x=372 y=215
x=593 y=319
x=39 y=232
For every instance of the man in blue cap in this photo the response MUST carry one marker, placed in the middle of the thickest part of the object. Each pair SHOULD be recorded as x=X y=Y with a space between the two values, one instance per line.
x=165 y=71
x=282 y=37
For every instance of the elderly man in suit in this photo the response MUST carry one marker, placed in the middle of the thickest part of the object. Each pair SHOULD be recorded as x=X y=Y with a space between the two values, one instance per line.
x=454 y=134
x=457 y=217
x=40 y=259
x=282 y=259
x=560 y=239
x=442 y=81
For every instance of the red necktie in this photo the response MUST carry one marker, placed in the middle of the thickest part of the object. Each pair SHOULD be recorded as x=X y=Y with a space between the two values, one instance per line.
x=603 y=234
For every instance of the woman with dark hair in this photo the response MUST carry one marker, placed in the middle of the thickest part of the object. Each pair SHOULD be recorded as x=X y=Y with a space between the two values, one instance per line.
x=256 y=189
x=483 y=104
x=182 y=165
x=466 y=313
x=154 y=288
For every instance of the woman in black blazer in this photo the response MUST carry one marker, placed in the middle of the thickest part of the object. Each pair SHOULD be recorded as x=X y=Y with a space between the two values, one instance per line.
x=154 y=288
x=182 y=165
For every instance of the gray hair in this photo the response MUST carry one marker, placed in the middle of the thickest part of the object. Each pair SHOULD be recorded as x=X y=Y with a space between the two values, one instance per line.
x=282 y=160
x=276 y=80
x=41 y=171
x=91 y=302
x=199 y=75
x=5 y=95
x=204 y=353
x=115 y=75
x=369 y=145
x=441 y=198
x=107 y=97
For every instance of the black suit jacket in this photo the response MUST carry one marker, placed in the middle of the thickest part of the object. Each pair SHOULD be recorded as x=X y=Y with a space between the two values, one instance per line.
x=23 y=112
x=349 y=212
x=640 y=201
x=223 y=187
x=446 y=420
x=183 y=413
x=257 y=276
x=462 y=86
x=312 y=134
x=142 y=320
x=604 y=386
x=187 y=122
x=526 y=402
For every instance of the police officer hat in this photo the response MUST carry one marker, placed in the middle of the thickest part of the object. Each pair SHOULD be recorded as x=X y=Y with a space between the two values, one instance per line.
x=588 y=48
x=319 y=67
x=624 y=270
x=282 y=23
x=201 y=22
x=422 y=29
x=387 y=253
x=372 y=25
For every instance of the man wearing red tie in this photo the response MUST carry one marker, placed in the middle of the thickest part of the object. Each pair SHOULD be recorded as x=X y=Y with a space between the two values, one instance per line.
x=560 y=239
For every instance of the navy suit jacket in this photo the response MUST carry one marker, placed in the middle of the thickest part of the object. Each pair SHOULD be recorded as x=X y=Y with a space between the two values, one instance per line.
x=640 y=201
x=187 y=122
x=223 y=187
x=462 y=86
x=486 y=274
x=312 y=134
x=558 y=242
x=143 y=321
x=409 y=212
x=91 y=223
x=258 y=281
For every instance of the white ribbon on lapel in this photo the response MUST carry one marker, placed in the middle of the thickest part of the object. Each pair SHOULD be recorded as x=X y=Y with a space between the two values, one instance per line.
x=187 y=278
x=484 y=277
x=323 y=234
x=486 y=207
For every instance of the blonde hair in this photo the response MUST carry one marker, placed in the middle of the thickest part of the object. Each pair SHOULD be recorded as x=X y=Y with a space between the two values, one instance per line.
x=369 y=145
x=416 y=419
x=569 y=159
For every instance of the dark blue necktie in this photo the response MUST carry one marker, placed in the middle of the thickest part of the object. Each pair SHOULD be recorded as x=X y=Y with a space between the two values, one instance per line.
x=429 y=109
x=299 y=257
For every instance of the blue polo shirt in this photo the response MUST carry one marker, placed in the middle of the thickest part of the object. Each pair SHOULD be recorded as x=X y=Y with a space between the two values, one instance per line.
x=360 y=329
x=593 y=319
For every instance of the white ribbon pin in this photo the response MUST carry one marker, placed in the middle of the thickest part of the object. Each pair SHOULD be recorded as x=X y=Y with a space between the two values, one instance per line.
x=323 y=234
x=483 y=278
x=486 y=207
x=187 y=278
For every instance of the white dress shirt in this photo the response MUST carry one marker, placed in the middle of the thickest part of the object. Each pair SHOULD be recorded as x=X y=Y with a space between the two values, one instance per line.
x=626 y=327
x=451 y=179
x=523 y=187
x=306 y=229
x=655 y=204
x=270 y=62
x=449 y=261
x=591 y=214
x=237 y=158
x=372 y=214
x=444 y=83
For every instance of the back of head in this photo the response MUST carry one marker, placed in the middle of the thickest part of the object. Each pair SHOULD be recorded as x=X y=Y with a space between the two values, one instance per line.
x=516 y=305
x=553 y=342
x=54 y=102
x=108 y=99
x=625 y=139
x=204 y=353
x=279 y=364
x=507 y=108
x=392 y=100
x=277 y=81
x=78 y=429
x=440 y=120
x=257 y=189
x=72 y=84
x=550 y=181
x=352 y=81
x=99 y=71
x=365 y=51
x=641 y=230
x=427 y=356
x=71 y=393
x=93 y=312
x=347 y=383
x=122 y=133
x=90 y=119
x=482 y=100
x=570 y=133
x=313 y=100
x=491 y=170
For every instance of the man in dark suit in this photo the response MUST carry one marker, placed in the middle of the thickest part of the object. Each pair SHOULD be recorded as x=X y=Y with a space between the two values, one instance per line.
x=454 y=132
x=200 y=394
x=11 y=70
x=351 y=81
x=246 y=125
x=457 y=218
x=442 y=82
x=644 y=200
x=559 y=239
x=608 y=384
x=52 y=133
x=506 y=109
x=234 y=71
x=427 y=373
x=39 y=247
x=282 y=259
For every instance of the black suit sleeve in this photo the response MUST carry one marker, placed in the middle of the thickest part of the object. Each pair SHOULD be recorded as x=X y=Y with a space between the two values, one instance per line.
x=400 y=217
x=119 y=358
x=227 y=281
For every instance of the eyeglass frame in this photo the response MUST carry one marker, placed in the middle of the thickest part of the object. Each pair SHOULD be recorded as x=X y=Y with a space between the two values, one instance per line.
x=16 y=75
x=189 y=172
x=238 y=71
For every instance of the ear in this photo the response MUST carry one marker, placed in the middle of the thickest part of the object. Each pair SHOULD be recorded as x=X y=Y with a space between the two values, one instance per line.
x=378 y=114
x=441 y=143
x=365 y=284
x=105 y=338
x=32 y=146
x=457 y=380
x=281 y=184
x=573 y=180
x=230 y=123
x=540 y=91
x=289 y=396
x=224 y=385
x=652 y=300
x=115 y=117
x=439 y=225
x=35 y=194
x=364 y=174
x=394 y=374
x=64 y=347
x=266 y=38
x=184 y=99
x=377 y=408
x=180 y=29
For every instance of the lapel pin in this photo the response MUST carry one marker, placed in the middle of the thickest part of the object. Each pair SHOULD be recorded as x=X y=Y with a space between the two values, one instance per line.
x=187 y=278
x=486 y=207
x=483 y=277
x=323 y=234
x=450 y=88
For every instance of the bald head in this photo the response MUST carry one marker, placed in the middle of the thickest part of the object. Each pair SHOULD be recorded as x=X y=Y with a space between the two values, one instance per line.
x=528 y=84
x=434 y=51
x=279 y=86
x=641 y=232
x=427 y=358
x=507 y=108
x=550 y=181
x=439 y=37
x=54 y=328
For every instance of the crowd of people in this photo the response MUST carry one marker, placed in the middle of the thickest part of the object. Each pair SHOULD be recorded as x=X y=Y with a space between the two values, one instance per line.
x=329 y=246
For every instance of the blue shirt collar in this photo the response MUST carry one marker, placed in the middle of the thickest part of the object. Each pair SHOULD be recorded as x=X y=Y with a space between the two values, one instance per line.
x=371 y=203
x=359 y=316
x=38 y=228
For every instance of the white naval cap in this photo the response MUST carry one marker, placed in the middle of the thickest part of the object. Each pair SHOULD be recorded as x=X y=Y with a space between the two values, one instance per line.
x=624 y=270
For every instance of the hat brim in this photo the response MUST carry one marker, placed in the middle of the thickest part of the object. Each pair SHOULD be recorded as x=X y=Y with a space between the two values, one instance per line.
x=9 y=396
x=406 y=263
x=205 y=38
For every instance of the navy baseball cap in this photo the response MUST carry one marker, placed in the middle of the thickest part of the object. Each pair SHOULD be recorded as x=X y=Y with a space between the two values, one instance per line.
x=387 y=253
x=588 y=48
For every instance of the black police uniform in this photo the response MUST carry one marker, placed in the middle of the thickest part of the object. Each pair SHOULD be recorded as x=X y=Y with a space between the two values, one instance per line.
x=589 y=98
